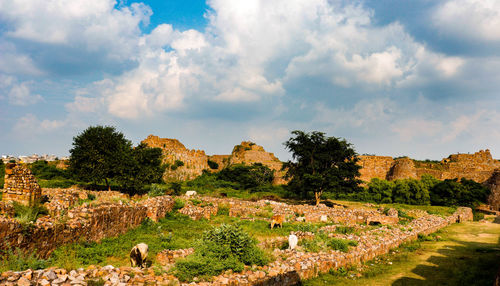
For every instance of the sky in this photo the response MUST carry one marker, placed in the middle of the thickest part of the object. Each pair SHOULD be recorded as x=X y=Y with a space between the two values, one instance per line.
x=418 y=78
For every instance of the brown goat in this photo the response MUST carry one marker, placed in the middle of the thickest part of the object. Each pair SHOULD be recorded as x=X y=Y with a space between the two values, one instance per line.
x=277 y=220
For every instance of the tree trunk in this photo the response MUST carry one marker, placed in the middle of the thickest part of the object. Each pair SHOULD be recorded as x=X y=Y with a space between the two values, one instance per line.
x=107 y=184
x=317 y=195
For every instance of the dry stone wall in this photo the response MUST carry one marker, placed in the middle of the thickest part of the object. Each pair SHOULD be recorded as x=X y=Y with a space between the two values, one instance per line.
x=480 y=167
x=20 y=185
x=92 y=223
x=290 y=267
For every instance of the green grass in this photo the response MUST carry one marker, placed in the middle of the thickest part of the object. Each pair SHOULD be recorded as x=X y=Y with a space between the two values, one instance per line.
x=175 y=231
x=461 y=254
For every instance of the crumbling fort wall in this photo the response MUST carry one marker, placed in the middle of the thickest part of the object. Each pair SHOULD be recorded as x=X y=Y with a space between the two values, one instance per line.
x=91 y=223
x=480 y=167
x=20 y=185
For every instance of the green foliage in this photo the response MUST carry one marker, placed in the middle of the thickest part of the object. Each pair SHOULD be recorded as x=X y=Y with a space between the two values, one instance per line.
x=157 y=190
x=178 y=204
x=145 y=167
x=177 y=164
x=102 y=154
x=96 y=282
x=2 y=174
x=57 y=183
x=247 y=177
x=338 y=244
x=478 y=216
x=17 y=260
x=99 y=154
x=459 y=193
x=213 y=165
x=344 y=229
x=221 y=248
x=43 y=170
x=176 y=187
x=239 y=177
x=26 y=214
x=321 y=164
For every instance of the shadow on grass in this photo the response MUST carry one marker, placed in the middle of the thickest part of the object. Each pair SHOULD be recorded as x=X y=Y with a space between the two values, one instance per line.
x=469 y=263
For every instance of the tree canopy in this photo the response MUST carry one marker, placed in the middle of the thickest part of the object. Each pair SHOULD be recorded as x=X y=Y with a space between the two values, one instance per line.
x=101 y=154
x=321 y=164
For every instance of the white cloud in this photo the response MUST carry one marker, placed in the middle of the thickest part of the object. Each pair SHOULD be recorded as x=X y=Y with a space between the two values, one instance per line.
x=30 y=124
x=21 y=95
x=251 y=50
x=472 y=19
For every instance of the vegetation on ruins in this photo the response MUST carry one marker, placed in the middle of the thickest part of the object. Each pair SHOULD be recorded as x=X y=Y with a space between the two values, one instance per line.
x=321 y=164
x=221 y=248
x=102 y=154
x=426 y=191
x=255 y=178
x=2 y=174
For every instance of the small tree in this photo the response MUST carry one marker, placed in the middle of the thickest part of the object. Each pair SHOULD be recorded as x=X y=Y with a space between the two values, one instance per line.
x=146 y=168
x=100 y=153
x=321 y=164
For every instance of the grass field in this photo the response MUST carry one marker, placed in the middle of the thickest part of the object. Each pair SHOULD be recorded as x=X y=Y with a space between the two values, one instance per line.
x=467 y=254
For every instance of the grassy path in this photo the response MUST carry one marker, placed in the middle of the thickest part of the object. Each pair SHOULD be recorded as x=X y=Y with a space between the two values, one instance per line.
x=468 y=254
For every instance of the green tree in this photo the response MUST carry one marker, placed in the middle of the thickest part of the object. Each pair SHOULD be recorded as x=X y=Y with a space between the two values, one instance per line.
x=247 y=177
x=381 y=190
x=145 y=168
x=321 y=164
x=99 y=154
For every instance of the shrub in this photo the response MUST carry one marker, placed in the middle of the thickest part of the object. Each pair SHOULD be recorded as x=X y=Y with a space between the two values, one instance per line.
x=338 y=244
x=478 y=216
x=17 y=260
x=221 y=248
x=157 y=190
x=26 y=214
x=176 y=187
x=213 y=165
x=223 y=209
x=344 y=229
x=178 y=204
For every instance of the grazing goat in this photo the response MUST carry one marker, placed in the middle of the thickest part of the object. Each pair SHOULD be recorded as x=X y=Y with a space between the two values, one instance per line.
x=277 y=220
x=138 y=255
x=292 y=241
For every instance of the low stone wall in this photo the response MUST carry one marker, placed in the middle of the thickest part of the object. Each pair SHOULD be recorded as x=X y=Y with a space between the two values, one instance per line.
x=83 y=222
x=290 y=268
x=293 y=266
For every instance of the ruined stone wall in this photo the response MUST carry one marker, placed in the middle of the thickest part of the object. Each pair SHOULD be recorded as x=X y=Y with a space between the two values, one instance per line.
x=250 y=153
x=195 y=161
x=20 y=185
x=82 y=222
x=478 y=167
x=374 y=167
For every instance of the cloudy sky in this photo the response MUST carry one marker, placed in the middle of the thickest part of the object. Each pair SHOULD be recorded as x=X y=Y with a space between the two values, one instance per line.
x=418 y=78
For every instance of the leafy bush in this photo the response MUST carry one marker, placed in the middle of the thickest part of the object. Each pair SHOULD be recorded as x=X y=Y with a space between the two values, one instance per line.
x=178 y=204
x=57 y=183
x=338 y=244
x=247 y=177
x=221 y=248
x=176 y=187
x=344 y=229
x=213 y=165
x=43 y=170
x=17 y=260
x=157 y=190
x=478 y=216
x=26 y=214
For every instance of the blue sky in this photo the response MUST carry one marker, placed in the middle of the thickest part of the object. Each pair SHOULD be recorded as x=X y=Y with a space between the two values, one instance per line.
x=418 y=78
